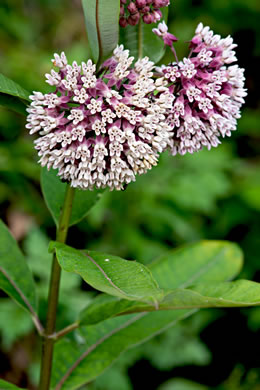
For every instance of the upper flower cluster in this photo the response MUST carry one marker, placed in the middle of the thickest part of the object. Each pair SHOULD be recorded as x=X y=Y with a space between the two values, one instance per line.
x=100 y=131
x=132 y=10
x=207 y=90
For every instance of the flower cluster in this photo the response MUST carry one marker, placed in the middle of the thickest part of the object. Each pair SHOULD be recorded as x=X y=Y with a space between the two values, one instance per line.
x=131 y=11
x=100 y=131
x=207 y=90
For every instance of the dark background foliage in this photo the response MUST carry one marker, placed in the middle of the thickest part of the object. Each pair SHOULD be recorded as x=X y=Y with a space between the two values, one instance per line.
x=214 y=195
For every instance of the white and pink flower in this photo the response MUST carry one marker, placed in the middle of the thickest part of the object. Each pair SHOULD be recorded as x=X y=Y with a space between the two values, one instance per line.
x=207 y=92
x=100 y=132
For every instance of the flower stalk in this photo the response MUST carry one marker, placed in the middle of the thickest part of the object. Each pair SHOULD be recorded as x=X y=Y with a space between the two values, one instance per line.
x=53 y=296
x=140 y=40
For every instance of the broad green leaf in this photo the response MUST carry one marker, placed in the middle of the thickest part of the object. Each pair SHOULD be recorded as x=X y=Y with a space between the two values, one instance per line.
x=181 y=384
x=101 y=344
x=110 y=274
x=207 y=260
x=201 y=261
x=9 y=87
x=15 y=323
x=103 y=307
x=102 y=23
x=12 y=103
x=241 y=293
x=152 y=45
x=15 y=276
x=8 y=386
x=54 y=191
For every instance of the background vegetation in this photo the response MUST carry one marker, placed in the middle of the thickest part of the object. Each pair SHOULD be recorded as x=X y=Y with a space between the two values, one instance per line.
x=213 y=195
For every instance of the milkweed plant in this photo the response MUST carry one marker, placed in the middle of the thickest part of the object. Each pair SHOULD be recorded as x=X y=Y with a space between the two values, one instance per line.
x=104 y=122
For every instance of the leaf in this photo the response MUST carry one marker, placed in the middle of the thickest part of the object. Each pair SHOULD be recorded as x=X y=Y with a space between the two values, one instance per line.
x=181 y=384
x=110 y=274
x=152 y=45
x=215 y=258
x=102 y=23
x=228 y=294
x=202 y=261
x=12 y=103
x=9 y=87
x=54 y=191
x=15 y=276
x=76 y=363
x=241 y=293
x=14 y=323
x=103 y=344
x=8 y=386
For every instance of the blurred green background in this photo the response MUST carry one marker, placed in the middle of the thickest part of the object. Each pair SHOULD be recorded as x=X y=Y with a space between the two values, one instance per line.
x=213 y=195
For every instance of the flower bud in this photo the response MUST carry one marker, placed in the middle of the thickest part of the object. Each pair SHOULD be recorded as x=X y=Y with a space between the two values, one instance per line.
x=122 y=11
x=134 y=19
x=140 y=3
x=122 y=2
x=123 y=22
x=157 y=3
x=148 y=18
x=132 y=8
x=136 y=16
x=160 y=3
x=144 y=10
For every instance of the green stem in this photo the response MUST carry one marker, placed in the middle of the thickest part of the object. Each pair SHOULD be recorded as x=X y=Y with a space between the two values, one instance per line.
x=58 y=335
x=140 y=39
x=53 y=296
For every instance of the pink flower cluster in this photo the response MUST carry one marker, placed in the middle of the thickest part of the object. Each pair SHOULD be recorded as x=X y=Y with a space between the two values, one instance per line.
x=207 y=91
x=132 y=10
x=100 y=131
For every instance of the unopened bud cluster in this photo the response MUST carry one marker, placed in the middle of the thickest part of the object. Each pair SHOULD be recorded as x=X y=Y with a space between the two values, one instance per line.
x=149 y=10
x=100 y=131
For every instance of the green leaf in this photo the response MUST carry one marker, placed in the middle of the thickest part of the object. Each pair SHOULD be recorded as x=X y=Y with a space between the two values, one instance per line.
x=9 y=87
x=15 y=276
x=8 y=386
x=228 y=294
x=241 y=293
x=12 y=103
x=181 y=384
x=214 y=259
x=98 y=346
x=14 y=323
x=102 y=23
x=152 y=45
x=110 y=274
x=103 y=343
x=202 y=261
x=54 y=191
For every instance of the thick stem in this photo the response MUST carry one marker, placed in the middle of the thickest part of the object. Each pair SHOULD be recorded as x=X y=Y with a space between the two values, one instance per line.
x=53 y=296
x=140 y=39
